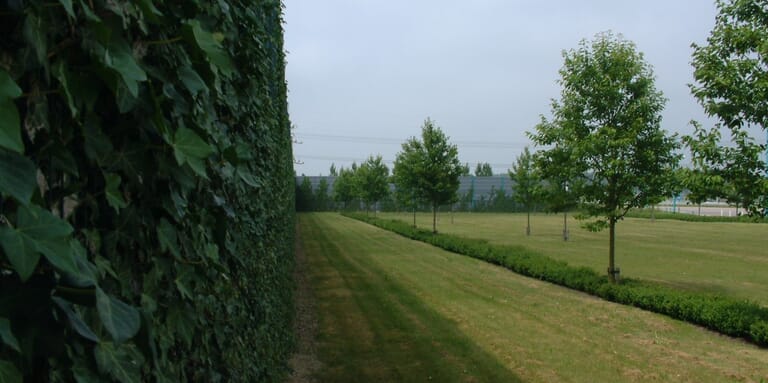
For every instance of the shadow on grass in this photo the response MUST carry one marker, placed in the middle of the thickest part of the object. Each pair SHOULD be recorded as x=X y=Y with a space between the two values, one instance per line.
x=373 y=329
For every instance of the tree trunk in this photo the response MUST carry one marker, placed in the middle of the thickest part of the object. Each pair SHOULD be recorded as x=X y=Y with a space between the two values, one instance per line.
x=565 y=226
x=699 y=210
x=653 y=213
x=434 y=218
x=612 y=251
x=414 y=213
x=528 y=225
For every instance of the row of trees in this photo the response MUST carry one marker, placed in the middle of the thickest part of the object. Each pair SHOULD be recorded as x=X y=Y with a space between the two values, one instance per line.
x=367 y=184
x=603 y=149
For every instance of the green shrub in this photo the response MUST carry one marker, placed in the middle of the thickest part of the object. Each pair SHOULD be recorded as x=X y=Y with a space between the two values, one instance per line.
x=728 y=316
x=646 y=213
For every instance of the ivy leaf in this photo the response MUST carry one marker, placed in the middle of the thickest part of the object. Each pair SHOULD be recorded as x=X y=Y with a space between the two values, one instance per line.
x=34 y=33
x=37 y=231
x=98 y=147
x=121 y=320
x=188 y=147
x=192 y=80
x=247 y=177
x=83 y=374
x=75 y=320
x=122 y=362
x=18 y=176
x=89 y=12
x=20 y=252
x=8 y=87
x=166 y=234
x=67 y=4
x=7 y=336
x=182 y=322
x=9 y=373
x=120 y=58
x=112 y=191
x=211 y=47
x=10 y=124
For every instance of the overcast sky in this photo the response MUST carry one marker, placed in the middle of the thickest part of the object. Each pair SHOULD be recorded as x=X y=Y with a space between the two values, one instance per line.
x=363 y=75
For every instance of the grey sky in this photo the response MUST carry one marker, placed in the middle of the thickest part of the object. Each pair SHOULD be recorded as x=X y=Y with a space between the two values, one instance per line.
x=483 y=70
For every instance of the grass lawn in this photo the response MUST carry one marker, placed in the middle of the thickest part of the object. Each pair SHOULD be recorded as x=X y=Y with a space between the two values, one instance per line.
x=723 y=258
x=392 y=309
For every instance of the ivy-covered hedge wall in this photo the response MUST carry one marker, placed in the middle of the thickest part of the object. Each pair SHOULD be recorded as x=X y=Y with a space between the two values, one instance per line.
x=146 y=191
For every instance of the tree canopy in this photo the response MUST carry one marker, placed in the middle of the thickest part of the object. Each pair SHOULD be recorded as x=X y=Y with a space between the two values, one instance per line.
x=606 y=132
x=731 y=69
x=344 y=187
x=372 y=178
x=483 y=169
x=429 y=168
x=731 y=73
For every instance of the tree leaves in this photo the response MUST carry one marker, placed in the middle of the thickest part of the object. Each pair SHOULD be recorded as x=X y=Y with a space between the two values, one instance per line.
x=120 y=361
x=18 y=176
x=10 y=124
x=121 y=321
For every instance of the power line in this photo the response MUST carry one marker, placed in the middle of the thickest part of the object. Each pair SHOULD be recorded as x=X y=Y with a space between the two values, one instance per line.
x=388 y=161
x=397 y=141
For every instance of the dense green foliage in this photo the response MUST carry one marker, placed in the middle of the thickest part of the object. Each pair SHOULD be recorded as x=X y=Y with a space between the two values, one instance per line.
x=605 y=132
x=730 y=69
x=372 y=178
x=483 y=169
x=726 y=315
x=732 y=84
x=146 y=218
x=735 y=173
x=704 y=179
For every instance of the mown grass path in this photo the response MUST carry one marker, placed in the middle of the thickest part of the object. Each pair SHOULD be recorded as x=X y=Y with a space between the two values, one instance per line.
x=725 y=258
x=391 y=309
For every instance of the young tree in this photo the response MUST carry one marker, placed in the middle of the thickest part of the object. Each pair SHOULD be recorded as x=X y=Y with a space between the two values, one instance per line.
x=465 y=170
x=344 y=187
x=527 y=190
x=405 y=174
x=332 y=171
x=745 y=174
x=304 y=196
x=373 y=181
x=483 y=170
x=605 y=131
x=321 y=196
x=430 y=168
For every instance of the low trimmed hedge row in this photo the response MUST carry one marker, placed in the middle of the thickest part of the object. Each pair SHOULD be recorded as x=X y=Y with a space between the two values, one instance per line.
x=739 y=318
x=647 y=213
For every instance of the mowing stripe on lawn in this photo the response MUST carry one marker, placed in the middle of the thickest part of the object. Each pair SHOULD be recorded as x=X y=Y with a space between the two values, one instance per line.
x=377 y=290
